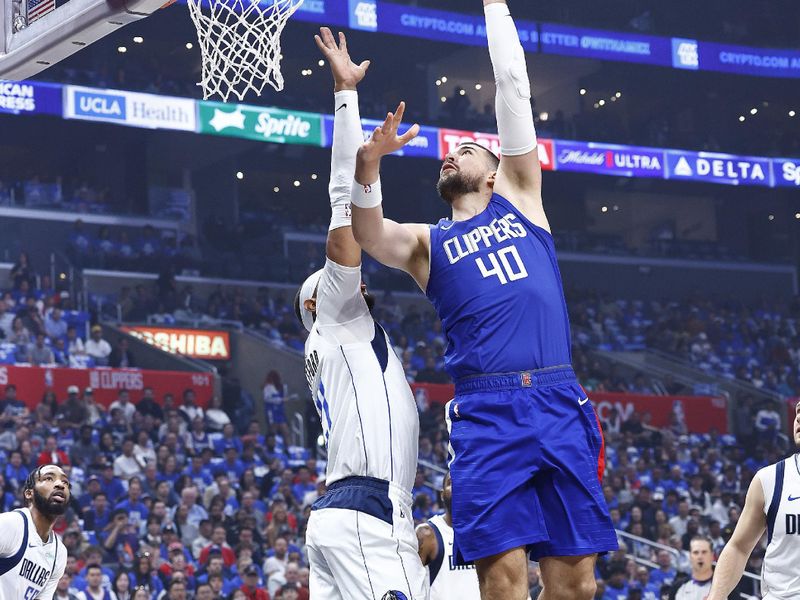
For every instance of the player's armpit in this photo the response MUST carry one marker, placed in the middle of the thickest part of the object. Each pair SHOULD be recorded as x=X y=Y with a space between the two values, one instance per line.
x=526 y=197
x=400 y=246
x=427 y=544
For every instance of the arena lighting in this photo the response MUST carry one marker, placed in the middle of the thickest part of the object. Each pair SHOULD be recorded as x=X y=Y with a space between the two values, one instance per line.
x=618 y=95
x=602 y=102
x=321 y=63
x=122 y=49
x=444 y=79
x=438 y=82
x=792 y=113
x=314 y=176
x=62 y=275
x=615 y=208
x=138 y=39
x=189 y=45
x=797 y=215
x=771 y=217
x=463 y=92
x=604 y=209
x=753 y=111
x=596 y=105
x=276 y=189
x=478 y=86
x=583 y=91
x=741 y=119
x=544 y=116
x=613 y=98
x=239 y=175
x=444 y=99
x=296 y=183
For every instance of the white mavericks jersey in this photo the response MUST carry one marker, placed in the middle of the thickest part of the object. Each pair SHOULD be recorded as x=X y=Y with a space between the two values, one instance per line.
x=781 y=571
x=31 y=573
x=368 y=413
x=448 y=581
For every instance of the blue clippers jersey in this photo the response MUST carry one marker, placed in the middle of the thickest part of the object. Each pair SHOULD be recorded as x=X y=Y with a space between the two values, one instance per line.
x=495 y=283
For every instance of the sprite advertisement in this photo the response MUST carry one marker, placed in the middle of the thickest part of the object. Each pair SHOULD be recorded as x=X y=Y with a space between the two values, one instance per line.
x=261 y=123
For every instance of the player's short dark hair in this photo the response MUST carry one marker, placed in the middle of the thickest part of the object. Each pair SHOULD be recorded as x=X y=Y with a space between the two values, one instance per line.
x=31 y=479
x=494 y=162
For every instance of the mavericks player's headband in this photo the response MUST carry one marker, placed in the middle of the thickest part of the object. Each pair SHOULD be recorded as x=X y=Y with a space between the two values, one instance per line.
x=306 y=293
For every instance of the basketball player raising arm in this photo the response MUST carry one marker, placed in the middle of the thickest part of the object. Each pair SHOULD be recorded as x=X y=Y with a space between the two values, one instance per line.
x=520 y=486
x=769 y=506
x=32 y=557
x=360 y=535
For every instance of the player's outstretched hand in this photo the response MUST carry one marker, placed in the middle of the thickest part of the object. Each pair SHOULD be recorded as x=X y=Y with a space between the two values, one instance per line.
x=386 y=139
x=346 y=74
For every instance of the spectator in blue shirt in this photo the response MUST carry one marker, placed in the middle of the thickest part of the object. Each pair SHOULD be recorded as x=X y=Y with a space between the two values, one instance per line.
x=112 y=486
x=616 y=586
x=132 y=504
x=665 y=573
x=97 y=516
x=421 y=488
x=198 y=473
x=303 y=485
x=15 y=472
x=55 y=327
x=232 y=465
x=228 y=440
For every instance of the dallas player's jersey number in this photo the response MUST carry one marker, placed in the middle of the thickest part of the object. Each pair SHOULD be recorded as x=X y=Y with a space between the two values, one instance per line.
x=501 y=265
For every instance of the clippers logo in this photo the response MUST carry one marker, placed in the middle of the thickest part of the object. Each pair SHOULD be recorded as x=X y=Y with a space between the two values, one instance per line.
x=685 y=54
x=526 y=380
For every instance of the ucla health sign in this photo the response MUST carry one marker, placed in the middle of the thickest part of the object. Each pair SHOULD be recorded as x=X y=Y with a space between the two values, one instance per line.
x=719 y=168
x=147 y=111
x=30 y=97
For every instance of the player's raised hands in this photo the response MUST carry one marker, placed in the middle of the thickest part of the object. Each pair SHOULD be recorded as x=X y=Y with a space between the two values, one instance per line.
x=386 y=138
x=346 y=74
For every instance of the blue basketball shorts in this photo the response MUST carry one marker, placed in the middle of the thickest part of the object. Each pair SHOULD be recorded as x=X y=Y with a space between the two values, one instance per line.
x=526 y=464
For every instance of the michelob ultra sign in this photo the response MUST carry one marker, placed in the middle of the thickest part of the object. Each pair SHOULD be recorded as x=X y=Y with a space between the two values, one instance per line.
x=197 y=343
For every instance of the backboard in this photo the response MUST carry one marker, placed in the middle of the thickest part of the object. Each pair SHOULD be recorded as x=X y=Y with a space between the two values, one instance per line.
x=35 y=34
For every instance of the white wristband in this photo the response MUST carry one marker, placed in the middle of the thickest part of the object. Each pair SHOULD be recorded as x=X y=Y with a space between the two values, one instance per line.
x=340 y=216
x=366 y=196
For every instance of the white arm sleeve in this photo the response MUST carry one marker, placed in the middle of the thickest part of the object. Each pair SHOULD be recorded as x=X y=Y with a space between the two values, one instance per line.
x=347 y=138
x=513 y=102
x=12 y=527
x=341 y=306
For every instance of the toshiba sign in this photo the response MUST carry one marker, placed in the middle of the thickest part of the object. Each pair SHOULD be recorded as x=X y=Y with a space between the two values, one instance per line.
x=197 y=343
x=450 y=139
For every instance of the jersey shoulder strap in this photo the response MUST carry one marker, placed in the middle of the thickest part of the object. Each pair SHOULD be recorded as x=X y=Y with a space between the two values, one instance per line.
x=780 y=470
x=436 y=563
x=8 y=563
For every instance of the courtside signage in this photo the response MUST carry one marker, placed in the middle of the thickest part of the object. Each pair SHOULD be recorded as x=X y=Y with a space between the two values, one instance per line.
x=445 y=26
x=330 y=12
x=260 y=123
x=30 y=97
x=450 y=139
x=425 y=145
x=606 y=45
x=764 y=62
x=148 y=111
x=196 y=343
x=719 y=168
x=787 y=173
x=363 y=14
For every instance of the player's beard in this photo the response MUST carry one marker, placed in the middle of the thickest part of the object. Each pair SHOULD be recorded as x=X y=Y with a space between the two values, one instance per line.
x=448 y=503
x=451 y=187
x=48 y=507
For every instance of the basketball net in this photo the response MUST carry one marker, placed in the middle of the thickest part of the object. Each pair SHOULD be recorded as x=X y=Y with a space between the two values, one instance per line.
x=240 y=43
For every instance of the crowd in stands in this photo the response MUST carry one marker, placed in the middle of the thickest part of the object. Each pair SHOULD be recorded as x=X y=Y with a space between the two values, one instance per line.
x=171 y=500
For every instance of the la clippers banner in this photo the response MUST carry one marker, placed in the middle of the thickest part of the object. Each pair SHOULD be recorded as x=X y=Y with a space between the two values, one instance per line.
x=205 y=344
x=701 y=413
x=33 y=382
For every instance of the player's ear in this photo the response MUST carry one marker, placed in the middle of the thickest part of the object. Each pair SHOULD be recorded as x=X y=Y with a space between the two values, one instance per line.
x=492 y=179
x=310 y=305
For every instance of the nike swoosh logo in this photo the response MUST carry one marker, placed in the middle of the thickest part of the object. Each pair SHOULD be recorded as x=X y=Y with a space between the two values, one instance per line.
x=793 y=499
x=584 y=401
x=341 y=107
x=32 y=546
